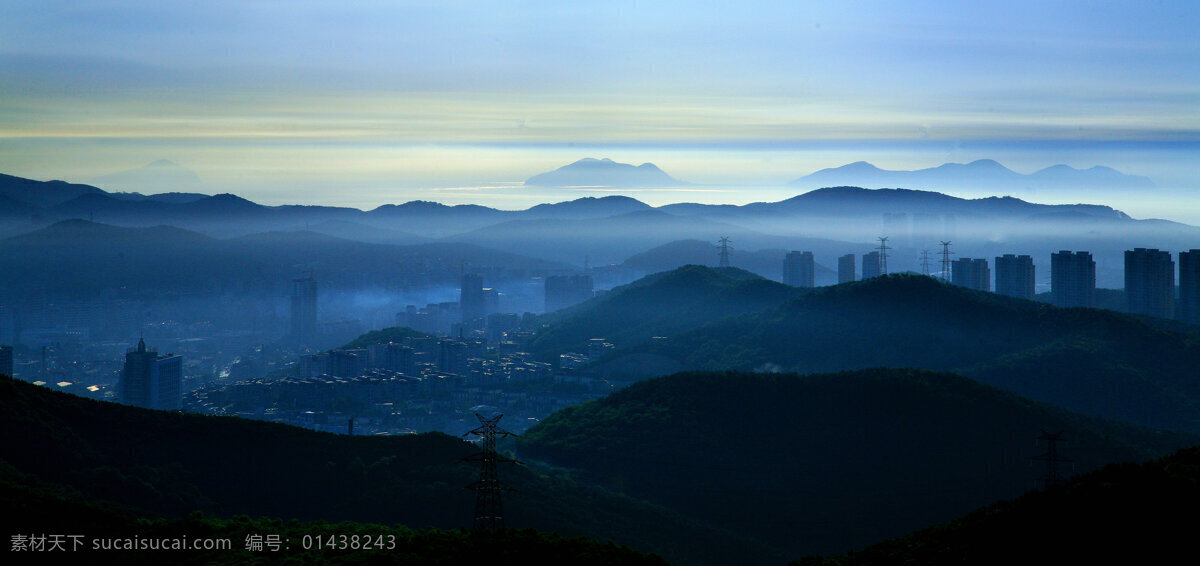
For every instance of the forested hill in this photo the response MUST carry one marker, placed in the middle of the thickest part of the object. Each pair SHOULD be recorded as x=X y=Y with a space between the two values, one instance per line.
x=662 y=304
x=1123 y=514
x=144 y=463
x=1089 y=360
x=825 y=463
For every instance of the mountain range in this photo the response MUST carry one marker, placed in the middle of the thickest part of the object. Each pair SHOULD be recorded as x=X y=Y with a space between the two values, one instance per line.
x=830 y=222
x=78 y=256
x=983 y=173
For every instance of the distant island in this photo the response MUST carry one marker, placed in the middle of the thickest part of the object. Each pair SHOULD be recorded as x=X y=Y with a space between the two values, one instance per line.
x=979 y=173
x=589 y=172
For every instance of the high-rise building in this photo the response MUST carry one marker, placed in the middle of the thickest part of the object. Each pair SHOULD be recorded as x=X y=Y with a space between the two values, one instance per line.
x=6 y=360
x=1072 y=279
x=1014 y=276
x=971 y=273
x=799 y=269
x=1150 y=282
x=563 y=291
x=1189 y=286
x=304 y=309
x=470 y=298
x=846 y=272
x=871 y=266
x=151 y=381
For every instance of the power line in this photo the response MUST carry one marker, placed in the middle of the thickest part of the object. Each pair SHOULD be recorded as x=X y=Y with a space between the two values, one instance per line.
x=489 y=510
x=723 y=252
x=946 y=253
x=883 y=248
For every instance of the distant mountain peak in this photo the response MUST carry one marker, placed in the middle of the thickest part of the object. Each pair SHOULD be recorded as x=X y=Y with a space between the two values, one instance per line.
x=604 y=172
x=980 y=174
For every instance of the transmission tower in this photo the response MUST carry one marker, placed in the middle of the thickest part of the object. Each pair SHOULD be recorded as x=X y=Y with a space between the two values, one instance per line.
x=946 y=253
x=883 y=248
x=723 y=251
x=1053 y=475
x=489 y=511
x=924 y=262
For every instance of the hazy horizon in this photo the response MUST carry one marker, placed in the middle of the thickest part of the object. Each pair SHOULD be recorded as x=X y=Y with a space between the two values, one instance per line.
x=459 y=103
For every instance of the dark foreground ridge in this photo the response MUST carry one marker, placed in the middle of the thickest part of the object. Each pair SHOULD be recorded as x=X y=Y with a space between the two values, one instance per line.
x=1123 y=514
x=65 y=459
x=825 y=463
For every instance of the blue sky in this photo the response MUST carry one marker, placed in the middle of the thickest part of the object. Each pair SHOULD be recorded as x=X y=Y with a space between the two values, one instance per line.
x=389 y=101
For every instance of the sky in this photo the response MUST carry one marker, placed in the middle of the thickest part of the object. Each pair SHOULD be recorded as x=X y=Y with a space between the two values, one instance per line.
x=377 y=102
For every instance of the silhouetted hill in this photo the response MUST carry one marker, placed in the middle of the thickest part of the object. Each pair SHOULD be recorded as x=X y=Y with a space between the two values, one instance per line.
x=1126 y=513
x=42 y=194
x=767 y=263
x=144 y=463
x=1089 y=360
x=86 y=257
x=34 y=510
x=984 y=173
x=587 y=207
x=662 y=304
x=853 y=200
x=830 y=222
x=15 y=209
x=589 y=172
x=823 y=463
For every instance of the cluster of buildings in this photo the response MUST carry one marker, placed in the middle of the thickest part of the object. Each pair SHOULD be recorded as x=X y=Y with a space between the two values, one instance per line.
x=1150 y=287
x=471 y=356
x=428 y=356
x=414 y=384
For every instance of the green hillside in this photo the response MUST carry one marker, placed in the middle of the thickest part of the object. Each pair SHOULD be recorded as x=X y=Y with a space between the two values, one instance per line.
x=662 y=304
x=1089 y=360
x=145 y=463
x=824 y=463
x=1123 y=514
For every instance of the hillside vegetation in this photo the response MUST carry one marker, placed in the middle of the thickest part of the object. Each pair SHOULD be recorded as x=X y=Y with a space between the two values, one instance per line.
x=824 y=463
x=1089 y=360
x=154 y=464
